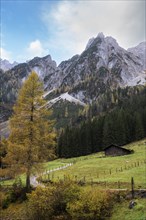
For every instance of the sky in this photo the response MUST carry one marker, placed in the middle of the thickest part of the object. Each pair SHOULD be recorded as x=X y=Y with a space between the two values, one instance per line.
x=62 y=28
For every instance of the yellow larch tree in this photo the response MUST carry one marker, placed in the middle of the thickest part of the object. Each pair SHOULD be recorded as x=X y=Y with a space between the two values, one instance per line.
x=31 y=140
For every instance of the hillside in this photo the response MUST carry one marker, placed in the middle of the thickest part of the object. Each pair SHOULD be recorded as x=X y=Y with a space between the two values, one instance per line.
x=65 y=113
x=118 y=118
x=110 y=172
x=110 y=175
x=105 y=172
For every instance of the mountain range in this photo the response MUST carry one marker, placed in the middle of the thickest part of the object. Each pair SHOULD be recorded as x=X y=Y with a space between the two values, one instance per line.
x=6 y=65
x=102 y=66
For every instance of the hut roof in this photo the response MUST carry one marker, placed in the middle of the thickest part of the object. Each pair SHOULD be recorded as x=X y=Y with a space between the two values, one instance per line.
x=113 y=145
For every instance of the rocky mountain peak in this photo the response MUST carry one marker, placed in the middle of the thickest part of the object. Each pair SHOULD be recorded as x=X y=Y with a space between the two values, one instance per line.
x=112 y=42
x=111 y=64
x=103 y=64
x=6 y=65
x=140 y=51
x=91 y=40
x=100 y=35
x=42 y=60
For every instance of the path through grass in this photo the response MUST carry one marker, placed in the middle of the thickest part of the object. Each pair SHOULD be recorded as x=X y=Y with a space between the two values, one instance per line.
x=95 y=168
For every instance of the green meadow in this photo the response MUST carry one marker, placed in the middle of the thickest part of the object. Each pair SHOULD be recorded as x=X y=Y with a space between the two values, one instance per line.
x=113 y=171
x=96 y=170
x=122 y=211
x=110 y=172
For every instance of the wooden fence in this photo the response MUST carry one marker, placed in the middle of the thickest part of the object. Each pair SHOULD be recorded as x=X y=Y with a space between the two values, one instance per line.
x=99 y=178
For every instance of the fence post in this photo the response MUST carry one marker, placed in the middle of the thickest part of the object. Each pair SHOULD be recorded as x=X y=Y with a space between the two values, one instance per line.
x=104 y=174
x=119 y=186
x=132 y=187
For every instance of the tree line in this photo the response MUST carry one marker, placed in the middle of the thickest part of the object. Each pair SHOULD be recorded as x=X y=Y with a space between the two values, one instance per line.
x=121 y=125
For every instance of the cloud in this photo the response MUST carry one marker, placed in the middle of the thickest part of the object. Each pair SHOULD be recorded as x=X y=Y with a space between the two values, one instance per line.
x=35 y=48
x=4 y=54
x=74 y=22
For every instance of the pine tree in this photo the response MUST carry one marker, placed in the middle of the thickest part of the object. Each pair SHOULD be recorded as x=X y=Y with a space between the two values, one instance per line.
x=120 y=127
x=97 y=127
x=31 y=140
x=139 y=130
x=108 y=130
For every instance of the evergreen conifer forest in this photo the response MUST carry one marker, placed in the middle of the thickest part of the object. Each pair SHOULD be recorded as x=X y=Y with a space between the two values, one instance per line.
x=123 y=123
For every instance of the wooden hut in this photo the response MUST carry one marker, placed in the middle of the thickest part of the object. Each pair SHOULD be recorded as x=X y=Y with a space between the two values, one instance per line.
x=114 y=150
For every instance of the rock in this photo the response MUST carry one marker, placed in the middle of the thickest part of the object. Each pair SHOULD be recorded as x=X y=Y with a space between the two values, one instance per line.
x=132 y=204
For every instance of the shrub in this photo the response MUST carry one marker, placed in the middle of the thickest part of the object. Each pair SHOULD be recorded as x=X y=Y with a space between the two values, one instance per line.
x=40 y=203
x=67 y=200
x=64 y=193
x=4 y=201
x=51 y=202
x=92 y=204
x=18 y=192
x=15 y=211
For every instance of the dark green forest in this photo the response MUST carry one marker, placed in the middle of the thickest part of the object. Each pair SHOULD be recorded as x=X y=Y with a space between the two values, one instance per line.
x=124 y=122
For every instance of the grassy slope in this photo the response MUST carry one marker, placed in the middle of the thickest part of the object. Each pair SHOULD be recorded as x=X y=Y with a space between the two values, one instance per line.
x=47 y=166
x=93 y=164
x=10 y=182
x=124 y=213
x=97 y=168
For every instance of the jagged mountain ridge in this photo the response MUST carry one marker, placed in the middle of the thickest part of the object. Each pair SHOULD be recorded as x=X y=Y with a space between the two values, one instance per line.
x=45 y=67
x=102 y=65
x=104 y=52
x=140 y=51
x=100 y=52
x=6 y=65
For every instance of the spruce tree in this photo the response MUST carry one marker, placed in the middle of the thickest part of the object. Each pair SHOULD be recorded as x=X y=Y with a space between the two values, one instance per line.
x=139 y=130
x=119 y=123
x=31 y=140
x=109 y=131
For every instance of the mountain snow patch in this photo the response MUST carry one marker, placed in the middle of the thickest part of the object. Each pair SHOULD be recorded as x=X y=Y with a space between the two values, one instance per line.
x=65 y=97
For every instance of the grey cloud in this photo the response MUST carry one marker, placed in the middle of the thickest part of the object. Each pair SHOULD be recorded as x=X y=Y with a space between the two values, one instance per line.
x=74 y=22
